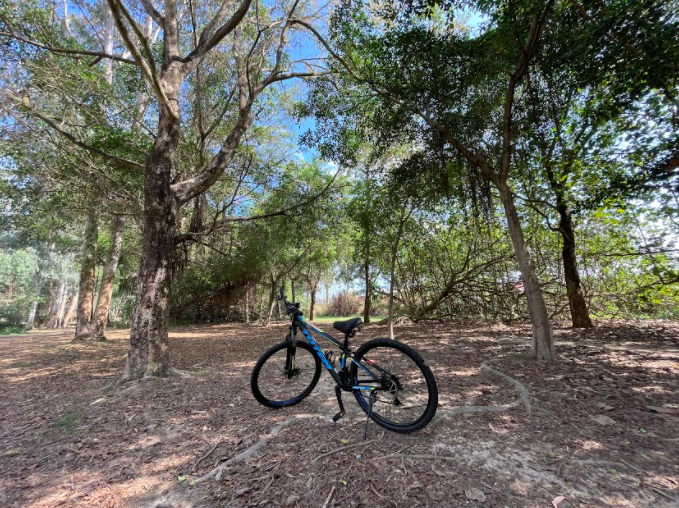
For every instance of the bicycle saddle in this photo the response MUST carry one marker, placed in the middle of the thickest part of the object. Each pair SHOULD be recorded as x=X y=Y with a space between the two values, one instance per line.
x=347 y=326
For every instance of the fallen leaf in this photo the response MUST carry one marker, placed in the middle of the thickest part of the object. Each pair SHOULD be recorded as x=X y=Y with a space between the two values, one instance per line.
x=345 y=441
x=557 y=500
x=181 y=478
x=603 y=420
x=475 y=494
x=343 y=482
x=605 y=407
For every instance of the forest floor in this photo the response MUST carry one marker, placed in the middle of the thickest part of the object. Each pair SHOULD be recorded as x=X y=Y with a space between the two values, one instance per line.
x=603 y=430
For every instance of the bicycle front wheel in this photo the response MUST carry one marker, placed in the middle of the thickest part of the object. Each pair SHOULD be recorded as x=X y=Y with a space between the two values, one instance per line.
x=276 y=384
x=404 y=391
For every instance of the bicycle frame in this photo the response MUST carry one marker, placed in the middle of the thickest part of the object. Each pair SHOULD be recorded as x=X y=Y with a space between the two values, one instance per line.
x=298 y=322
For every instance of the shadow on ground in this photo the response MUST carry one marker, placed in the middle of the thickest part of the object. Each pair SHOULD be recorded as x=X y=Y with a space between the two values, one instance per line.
x=603 y=431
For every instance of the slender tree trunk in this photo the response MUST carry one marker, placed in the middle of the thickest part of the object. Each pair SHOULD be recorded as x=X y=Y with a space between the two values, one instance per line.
x=59 y=305
x=149 y=353
x=272 y=301
x=292 y=285
x=108 y=278
x=392 y=275
x=30 y=320
x=87 y=277
x=368 y=288
x=312 y=306
x=576 y=299
x=542 y=347
x=70 y=312
x=247 y=303
x=108 y=42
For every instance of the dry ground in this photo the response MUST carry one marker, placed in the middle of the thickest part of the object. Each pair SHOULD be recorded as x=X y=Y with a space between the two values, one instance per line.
x=602 y=433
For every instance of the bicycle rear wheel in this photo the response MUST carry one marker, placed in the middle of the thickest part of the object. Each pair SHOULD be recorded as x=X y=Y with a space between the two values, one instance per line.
x=275 y=384
x=404 y=388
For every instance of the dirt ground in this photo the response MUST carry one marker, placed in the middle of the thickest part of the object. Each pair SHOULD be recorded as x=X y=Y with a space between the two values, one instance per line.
x=602 y=431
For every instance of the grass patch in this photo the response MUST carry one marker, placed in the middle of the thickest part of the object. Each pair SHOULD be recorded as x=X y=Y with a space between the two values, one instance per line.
x=67 y=422
x=12 y=330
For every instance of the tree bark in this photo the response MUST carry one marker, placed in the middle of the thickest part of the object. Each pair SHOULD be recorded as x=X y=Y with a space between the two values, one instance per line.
x=108 y=278
x=59 y=305
x=542 y=347
x=576 y=299
x=87 y=277
x=70 y=312
x=149 y=353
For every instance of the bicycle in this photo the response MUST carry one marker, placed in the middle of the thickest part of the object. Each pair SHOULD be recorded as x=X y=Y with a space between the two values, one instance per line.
x=395 y=398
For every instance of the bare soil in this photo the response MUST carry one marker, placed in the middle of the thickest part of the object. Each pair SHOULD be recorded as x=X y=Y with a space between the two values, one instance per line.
x=602 y=431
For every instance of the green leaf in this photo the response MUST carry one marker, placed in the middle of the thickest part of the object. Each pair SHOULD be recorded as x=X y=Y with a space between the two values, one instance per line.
x=345 y=441
x=343 y=482
x=181 y=478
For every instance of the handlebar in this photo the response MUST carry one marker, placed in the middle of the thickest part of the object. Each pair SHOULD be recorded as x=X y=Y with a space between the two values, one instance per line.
x=291 y=308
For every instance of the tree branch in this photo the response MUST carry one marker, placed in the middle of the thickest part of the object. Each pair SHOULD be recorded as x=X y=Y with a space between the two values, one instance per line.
x=151 y=11
x=117 y=161
x=64 y=51
x=118 y=11
x=206 y=42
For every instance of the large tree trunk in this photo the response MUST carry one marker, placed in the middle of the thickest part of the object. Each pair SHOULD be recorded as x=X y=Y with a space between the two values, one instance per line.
x=149 y=353
x=576 y=300
x=107 y=279
x=87 y=277
x=542 y=347
x=70 y=312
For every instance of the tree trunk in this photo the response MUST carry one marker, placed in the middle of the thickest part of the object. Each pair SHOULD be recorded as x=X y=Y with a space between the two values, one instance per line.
x=107 y=279
x=576 y=300
x=368 y=289
x=149 y=353
x=292 y=285
x=70 y=312
x=30 y=320
x=392 y=276
x=312 y=306
x=248 y=290
x=59 y=305
x=87 y=277
x=272 y=301
x=542 y=347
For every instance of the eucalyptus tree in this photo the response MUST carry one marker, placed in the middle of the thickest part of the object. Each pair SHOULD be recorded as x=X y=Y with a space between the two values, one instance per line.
x=250 y=42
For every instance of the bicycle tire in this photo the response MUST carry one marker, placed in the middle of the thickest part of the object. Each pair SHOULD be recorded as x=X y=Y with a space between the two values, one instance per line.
x=432 y=389
x=276 y=404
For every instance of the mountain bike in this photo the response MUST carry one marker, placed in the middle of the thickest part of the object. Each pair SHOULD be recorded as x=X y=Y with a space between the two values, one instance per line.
x=390 y=380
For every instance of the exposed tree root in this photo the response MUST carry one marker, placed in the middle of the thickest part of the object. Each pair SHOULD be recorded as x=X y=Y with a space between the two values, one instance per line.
x=524 y=397
x=342 y=448
x=216 y=473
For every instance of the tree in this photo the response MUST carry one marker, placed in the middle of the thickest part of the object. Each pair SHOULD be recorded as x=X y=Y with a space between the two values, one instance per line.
x=256 y=59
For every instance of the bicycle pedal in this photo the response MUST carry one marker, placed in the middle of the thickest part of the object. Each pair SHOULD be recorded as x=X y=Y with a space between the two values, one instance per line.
x=338 y=416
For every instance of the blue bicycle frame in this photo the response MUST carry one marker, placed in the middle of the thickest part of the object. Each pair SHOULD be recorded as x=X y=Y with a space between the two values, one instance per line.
x=299 y=323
